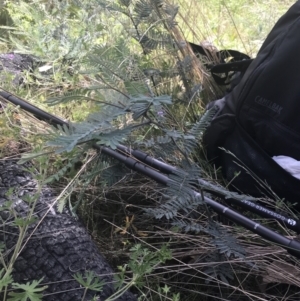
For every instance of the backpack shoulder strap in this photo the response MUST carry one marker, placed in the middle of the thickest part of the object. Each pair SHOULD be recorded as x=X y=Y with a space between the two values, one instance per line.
x=230 y=61
x=223 y=55
x=225 y=68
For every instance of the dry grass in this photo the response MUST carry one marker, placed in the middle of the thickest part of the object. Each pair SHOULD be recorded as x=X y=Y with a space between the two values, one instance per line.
x=242 y=25
x=115 y=216
x=267 y=272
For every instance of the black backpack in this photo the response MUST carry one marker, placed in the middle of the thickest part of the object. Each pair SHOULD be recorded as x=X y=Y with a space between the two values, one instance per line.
x=260 y=117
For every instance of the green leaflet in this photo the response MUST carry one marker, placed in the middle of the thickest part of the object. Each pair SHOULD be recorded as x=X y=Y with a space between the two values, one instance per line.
x=30 y=291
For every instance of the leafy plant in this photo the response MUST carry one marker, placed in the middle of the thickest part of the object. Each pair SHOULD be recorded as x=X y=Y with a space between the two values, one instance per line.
x=142 y=263
x=124 y=74
x=29 y=291
x=89 y=281
x=137 y=92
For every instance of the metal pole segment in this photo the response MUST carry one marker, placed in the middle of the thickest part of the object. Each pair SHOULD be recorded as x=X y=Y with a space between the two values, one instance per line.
x=40 y=114
x=290 y=223
x=292 y=246
x=145 y=158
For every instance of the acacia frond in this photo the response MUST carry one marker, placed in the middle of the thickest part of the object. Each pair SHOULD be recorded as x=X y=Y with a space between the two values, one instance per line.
x=198 y=129
x=77 y=94
x=221 y=269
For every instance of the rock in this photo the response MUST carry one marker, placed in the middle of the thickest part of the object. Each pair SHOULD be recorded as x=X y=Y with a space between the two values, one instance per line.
x=15 y=64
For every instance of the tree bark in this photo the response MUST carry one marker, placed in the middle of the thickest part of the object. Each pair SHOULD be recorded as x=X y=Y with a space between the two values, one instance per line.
x=59 y=248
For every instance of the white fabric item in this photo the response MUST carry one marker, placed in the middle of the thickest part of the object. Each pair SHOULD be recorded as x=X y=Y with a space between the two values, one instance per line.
x=291 y=165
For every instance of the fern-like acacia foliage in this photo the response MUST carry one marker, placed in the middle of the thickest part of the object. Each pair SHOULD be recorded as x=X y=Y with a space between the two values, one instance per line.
x=145 y=95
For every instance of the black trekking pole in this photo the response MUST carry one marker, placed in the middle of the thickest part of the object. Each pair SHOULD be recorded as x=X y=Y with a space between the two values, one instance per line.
x=292 y=246
x=28 y=107
x=293 y=224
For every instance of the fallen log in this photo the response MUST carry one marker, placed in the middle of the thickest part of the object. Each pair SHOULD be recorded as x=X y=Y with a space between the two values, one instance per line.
x=56 y=245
